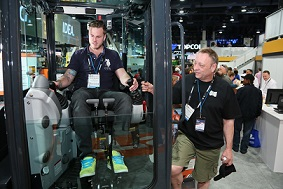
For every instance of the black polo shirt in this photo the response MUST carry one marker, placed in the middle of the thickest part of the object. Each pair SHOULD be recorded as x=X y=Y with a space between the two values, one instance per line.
x=221 y=103
x=80 y=61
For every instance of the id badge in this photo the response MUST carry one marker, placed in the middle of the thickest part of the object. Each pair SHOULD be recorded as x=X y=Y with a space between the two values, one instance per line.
x=93 y=81
x=200 y=124
x=188 y=111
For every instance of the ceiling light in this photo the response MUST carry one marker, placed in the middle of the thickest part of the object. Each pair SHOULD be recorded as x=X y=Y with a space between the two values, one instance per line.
x=181 y=11
x=181 y=19
x=244 y=9
x=182 y=0
x=232 y=19
x=257 y=31
x=224 y=25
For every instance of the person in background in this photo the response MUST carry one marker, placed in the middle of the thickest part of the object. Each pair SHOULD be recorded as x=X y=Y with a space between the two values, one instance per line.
x=236 y=83
x=139 y=76
x=224 y=69
x=267 y=83
x=209 y=122
x=258 y=76
x=175 y=79
x=189 y=70
x=129 y=71
x=237 y=76
x=222 y=72
x=177 y=72
x=243 y=74
x=91 y=71
x=255 y=82
x=250 y=100
x=148 y=87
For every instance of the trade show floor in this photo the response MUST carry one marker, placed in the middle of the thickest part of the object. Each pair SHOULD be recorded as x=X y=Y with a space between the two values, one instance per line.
x=252 y=172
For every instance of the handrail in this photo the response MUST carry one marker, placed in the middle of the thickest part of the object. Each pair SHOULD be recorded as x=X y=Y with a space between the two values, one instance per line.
x=183 y=66
x=244 y=58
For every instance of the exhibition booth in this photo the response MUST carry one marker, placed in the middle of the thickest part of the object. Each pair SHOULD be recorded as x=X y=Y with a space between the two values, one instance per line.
x=270 y=123
x=270 y=126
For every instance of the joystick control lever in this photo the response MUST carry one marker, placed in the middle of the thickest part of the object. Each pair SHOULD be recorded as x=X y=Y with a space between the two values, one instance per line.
x=135 y=95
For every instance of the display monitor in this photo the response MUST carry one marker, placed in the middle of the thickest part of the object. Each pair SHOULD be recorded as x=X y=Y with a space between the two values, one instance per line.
x=272 y=96
x=279 y=108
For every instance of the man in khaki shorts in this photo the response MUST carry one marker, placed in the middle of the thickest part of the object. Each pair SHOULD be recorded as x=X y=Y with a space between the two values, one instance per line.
x=210 y=111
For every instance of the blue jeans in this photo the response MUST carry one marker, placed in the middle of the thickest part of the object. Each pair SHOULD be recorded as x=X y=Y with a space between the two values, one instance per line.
x=247 y=128
x=82 y=114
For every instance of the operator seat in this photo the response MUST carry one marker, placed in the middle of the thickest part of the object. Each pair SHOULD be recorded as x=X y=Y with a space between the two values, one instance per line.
x=137 y=110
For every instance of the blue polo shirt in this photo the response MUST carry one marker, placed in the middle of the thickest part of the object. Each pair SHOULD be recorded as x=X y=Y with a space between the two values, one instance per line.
x=85 y=62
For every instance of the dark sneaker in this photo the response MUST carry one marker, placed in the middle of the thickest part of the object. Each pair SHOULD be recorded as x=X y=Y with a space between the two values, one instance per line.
x=88 y=167
x=136 y=139
x=118 y=163
x=135 y=135
x=235 y=149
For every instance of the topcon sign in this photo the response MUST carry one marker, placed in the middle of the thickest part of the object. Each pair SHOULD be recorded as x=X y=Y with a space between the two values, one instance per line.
x=186 y=47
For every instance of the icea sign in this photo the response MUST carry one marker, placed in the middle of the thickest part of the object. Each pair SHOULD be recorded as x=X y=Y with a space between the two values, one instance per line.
x=68 y=29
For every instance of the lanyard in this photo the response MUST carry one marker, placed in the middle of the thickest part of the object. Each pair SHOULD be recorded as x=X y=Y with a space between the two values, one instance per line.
x=97 y=69
x=266 y=83
x=205 y=95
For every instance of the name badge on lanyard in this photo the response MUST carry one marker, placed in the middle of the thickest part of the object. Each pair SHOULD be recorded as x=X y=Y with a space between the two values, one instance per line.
x=200 y=124
x=200 y=121
x=93 y=81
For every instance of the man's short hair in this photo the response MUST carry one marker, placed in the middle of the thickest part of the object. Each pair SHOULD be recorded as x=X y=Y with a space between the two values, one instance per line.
x=211 y=53
x=97 y=24
x=225 y=66
x=266 y=71
x=250 y=70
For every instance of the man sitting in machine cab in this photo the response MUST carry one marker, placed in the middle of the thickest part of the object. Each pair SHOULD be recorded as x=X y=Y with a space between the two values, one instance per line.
x=92 y=71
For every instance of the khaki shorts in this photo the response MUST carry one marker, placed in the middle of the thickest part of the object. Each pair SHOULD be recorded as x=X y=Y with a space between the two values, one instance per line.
x=206 y=160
